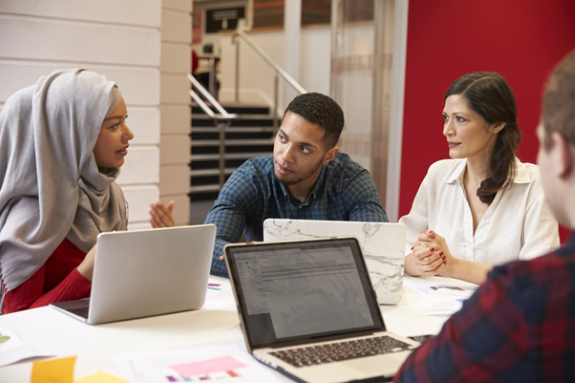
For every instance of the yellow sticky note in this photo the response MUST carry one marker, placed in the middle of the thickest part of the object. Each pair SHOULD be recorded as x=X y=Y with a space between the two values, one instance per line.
x=100 y=377
x=54 y=371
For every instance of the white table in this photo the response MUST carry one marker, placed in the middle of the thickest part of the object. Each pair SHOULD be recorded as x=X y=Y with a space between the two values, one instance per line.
x=94 y=345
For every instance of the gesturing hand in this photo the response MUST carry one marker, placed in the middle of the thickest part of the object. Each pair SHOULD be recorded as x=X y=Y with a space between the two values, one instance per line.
x=162 y=214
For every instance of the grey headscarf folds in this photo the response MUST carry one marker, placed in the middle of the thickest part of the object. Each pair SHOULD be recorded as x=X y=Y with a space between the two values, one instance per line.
x=50 y=185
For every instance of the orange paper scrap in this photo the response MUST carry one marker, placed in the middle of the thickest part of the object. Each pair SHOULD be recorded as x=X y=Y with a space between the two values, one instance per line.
x=101 y=377
x=59 y=370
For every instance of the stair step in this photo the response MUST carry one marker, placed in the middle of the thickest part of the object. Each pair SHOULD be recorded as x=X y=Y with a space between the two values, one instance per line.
x=234 y=129
x=240 y=117
x=210 y=172
x=229 y=156
x=197 y=143
x=204 y=188
x=238 y=109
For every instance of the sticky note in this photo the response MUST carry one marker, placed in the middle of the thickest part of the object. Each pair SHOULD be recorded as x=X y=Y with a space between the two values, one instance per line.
x=209 y=366
x=101 y=377
x=53 y=371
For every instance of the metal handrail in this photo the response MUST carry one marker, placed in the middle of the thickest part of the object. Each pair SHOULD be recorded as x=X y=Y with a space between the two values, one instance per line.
x=222 y=121
x=279 y=70
x=224 y=115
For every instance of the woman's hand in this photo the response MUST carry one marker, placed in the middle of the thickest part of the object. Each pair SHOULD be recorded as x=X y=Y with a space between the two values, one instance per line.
x=162 y=215
x=430 y=256
x=86 y=268
x=468 y=271
x=432 y=240
x=426 y=261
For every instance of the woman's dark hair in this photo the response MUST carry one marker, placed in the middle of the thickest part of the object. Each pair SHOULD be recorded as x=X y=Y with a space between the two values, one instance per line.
x=489 y=95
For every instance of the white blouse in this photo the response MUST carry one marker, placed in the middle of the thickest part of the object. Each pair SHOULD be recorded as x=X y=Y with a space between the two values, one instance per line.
x=517 y=225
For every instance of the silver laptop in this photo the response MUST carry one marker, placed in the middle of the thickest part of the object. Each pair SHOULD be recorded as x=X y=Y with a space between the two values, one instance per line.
x=308 y=310
x=382 y=244
x=146 y=272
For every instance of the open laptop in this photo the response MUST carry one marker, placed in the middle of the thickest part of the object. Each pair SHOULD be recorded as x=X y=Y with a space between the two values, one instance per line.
x=308 y=310
x=382 y=245
x=146 y=272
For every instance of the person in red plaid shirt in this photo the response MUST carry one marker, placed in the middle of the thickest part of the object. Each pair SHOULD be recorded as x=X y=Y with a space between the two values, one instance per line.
x=520 y=324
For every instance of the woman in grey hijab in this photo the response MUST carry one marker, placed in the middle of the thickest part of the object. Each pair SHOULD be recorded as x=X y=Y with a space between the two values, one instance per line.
x=62 y=142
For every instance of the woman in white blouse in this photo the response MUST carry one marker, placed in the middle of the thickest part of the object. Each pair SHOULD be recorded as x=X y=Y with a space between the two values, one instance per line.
x=483 y=207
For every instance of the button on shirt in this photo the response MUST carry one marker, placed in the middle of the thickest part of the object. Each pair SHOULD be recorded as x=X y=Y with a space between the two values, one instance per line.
x=517 y=225
x=344 y=191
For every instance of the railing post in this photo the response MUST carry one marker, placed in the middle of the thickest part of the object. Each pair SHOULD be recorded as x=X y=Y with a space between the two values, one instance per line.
x=275 y=106
x=212 y=80
x=237 y=71
x=222 y=164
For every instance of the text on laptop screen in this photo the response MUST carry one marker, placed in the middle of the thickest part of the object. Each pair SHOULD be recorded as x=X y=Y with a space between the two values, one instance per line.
x=301 y=290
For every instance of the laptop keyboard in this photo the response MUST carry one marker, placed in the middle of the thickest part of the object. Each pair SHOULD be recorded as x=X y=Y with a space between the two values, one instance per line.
x=335 y=352
x=81 y=311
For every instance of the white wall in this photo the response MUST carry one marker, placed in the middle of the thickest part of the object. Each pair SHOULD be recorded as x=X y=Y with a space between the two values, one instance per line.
x=119 y=39
x=256 y=77
x=175 y=106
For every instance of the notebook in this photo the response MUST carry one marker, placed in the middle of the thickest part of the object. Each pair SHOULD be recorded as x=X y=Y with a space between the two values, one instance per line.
x=146 y=272
x=308 y=310
x=382 y=244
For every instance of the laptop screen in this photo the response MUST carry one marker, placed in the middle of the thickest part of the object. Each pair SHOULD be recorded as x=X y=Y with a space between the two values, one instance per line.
x=292 y=291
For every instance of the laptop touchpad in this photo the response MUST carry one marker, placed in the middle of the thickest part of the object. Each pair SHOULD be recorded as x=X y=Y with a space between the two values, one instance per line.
x=383 y=365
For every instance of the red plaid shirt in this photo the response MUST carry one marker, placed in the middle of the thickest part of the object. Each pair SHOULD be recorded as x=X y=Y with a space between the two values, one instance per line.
x=518 y=327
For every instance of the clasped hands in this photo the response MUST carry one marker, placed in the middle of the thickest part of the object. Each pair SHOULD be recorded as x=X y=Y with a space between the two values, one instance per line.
x=431 y=254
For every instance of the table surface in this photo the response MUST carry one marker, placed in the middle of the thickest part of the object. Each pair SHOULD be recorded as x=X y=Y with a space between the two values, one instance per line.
x=214 y=324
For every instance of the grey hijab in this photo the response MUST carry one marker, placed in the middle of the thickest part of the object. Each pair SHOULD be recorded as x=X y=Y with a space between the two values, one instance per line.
x=50 y=185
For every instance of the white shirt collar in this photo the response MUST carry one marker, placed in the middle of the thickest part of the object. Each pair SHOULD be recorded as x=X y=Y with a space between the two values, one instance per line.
x=521 y=174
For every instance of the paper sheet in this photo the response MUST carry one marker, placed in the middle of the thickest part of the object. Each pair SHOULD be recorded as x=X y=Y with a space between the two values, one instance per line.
x=440 y=297
x=208 y=366
x=446 y=286
x=436 y=305
x=101 y=377
x=59 y=370
x=219 y=294
x=221 y=363
x=14 y=349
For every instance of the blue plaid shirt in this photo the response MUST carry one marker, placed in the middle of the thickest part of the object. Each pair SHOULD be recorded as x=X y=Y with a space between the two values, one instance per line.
x=344 y=191
x=519 y=326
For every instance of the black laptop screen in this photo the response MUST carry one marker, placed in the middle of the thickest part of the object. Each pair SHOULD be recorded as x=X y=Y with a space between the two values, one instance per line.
x=302 y=290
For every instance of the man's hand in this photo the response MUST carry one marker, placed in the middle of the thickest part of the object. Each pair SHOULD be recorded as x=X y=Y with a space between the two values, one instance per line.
x=162 y=215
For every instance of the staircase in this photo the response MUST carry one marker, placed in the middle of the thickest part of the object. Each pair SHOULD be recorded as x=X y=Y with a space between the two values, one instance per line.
x=250 y=135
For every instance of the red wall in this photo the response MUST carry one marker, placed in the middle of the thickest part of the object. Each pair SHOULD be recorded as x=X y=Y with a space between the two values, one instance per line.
x=520 y=39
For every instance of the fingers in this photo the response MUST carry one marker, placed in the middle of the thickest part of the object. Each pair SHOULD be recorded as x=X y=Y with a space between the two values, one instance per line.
x=422 y=251
x=426 y=236
x=221 y=257
x=431 y=273
x=429 y=260
x=170 y=206
x=162 y=215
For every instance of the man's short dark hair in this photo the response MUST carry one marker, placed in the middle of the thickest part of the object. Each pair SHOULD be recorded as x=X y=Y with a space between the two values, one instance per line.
x=559 y=102
x=320 y=110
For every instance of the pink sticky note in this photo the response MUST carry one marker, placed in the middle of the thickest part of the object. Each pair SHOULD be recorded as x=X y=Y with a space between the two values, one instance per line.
x=209 y=366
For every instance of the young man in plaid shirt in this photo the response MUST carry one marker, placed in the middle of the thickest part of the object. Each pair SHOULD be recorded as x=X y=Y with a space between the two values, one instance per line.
x=520 y=324
x=306 y=178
